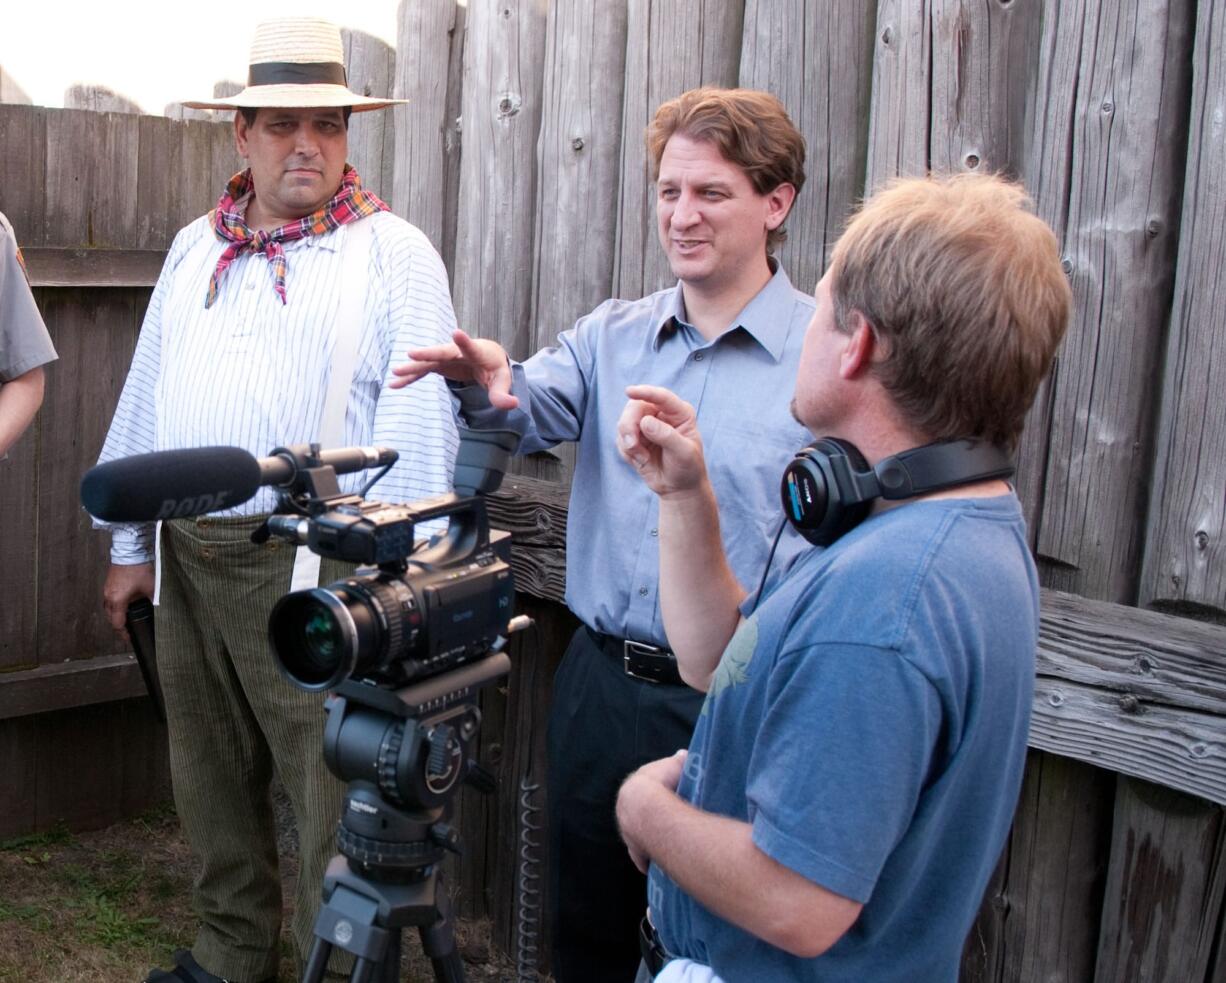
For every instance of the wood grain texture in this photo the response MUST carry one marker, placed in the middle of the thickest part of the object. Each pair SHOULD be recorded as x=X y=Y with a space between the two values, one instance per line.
x=1185 y=553
x=578 y=156
x=94 y=333
x=503 y=67
x=818 y=59
x=91 y=197
x=984 y=63
x=426 y=139
x=65 y=685
x=1106 y=169
x=1039 y=919
x=53 y=267
x=371 y=65
x=900 y=117
x=23 y=168
x=1163 y=901
x=676 y=45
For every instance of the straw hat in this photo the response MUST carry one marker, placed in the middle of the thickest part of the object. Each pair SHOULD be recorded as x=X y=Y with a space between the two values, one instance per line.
x=296 y=63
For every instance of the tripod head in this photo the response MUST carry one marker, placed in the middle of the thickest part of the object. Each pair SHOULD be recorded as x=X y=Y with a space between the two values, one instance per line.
x=404 y=754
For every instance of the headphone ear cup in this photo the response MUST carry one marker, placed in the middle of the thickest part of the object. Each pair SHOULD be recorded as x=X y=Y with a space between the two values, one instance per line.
x=813 y=500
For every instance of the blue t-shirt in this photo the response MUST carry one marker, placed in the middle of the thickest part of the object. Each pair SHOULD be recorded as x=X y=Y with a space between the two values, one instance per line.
x=869 y=720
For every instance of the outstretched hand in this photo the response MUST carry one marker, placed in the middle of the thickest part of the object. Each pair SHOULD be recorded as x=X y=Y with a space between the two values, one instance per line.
x=658 y=435
x=466 y=359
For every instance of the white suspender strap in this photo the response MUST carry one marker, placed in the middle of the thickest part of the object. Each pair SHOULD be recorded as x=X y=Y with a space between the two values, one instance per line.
x=355 y=256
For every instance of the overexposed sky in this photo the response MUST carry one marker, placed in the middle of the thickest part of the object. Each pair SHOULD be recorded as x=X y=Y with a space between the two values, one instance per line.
x=152 y=52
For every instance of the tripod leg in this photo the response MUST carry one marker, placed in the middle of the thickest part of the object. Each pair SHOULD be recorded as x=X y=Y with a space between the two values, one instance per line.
x=438 y=939
x=390 y=967
x=317 y=961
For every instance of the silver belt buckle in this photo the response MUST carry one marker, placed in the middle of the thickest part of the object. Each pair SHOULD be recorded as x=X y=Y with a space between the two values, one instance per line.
x=638 y=648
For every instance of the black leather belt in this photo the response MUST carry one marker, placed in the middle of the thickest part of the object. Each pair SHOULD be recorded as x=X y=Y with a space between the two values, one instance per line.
x=640 y=659
x=652 y=949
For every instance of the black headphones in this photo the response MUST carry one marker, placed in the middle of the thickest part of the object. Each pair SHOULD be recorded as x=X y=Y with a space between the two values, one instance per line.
x=829 y=487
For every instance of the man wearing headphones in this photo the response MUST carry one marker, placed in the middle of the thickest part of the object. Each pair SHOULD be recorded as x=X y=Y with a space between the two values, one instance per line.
x=856 y=763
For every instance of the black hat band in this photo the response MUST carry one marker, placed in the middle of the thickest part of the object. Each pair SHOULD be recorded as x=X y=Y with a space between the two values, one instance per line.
x=297 y=73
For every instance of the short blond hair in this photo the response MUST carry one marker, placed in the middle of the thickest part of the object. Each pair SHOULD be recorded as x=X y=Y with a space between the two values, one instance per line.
x=963 y=284
x=750 y=128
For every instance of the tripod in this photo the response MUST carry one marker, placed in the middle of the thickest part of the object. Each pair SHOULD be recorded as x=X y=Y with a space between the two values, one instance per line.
x=403 y=753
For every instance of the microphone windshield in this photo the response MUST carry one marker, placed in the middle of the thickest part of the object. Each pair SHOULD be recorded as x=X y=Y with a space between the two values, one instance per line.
x=170 y=484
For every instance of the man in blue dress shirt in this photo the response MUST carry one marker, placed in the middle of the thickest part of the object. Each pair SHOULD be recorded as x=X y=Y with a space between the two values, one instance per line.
x=728 y=166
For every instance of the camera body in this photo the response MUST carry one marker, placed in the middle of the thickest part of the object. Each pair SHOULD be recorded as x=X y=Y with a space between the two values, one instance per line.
x=414 y=609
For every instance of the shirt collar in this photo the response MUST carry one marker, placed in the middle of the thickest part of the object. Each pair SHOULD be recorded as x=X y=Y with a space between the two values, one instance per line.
x=767 y=318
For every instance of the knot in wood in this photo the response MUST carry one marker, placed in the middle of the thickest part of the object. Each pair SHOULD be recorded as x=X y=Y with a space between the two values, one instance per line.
x=508 y=104
x=972 y=161
x=1198 y=750
x=1152 y=228
x=1144 y=665
x=1066 y=264
x=1055 y=698
x=1202 y=539
x=1108 y=107
x=576 y=144
x=1130 y=704
x=887 y=36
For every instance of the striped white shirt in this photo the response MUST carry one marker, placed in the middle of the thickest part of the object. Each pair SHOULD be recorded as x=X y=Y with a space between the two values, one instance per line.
x=252 y=372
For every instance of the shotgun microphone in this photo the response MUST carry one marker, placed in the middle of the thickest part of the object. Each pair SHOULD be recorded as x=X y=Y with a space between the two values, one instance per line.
x=182 y=483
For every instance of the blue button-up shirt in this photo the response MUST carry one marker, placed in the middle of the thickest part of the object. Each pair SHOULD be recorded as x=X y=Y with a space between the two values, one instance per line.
x=741 y=386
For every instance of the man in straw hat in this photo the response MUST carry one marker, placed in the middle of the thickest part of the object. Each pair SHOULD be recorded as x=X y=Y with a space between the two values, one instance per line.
x=274 y=322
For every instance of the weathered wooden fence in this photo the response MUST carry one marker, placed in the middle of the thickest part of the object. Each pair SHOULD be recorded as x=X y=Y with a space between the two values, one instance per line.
x=521 y=156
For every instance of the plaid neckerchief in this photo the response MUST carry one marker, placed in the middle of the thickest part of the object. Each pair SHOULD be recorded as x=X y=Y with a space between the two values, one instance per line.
x=349 y=204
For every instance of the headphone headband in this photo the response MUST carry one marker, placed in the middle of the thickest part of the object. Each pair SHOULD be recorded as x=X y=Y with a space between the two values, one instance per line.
x=829 y=487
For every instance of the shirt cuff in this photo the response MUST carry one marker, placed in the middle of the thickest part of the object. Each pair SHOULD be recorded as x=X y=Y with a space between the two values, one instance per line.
x=131 y=544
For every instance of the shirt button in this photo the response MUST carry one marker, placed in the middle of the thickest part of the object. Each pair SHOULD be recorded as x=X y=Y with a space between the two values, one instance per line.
x=642 y=592
x=655 y=532
x=698 y=356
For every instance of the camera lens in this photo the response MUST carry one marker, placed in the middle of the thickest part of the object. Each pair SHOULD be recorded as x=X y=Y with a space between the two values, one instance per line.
x=323 y=636
x=315 y=638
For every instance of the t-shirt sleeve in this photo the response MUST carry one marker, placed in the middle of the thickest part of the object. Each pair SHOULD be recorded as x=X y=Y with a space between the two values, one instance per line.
x=839 y=762
x=24 y=341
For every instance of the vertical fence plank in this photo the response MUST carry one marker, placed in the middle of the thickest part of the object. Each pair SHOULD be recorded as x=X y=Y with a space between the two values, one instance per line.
x=826 y=92
x=1113 y=114
x=1164 y=894
x=672 y=46
x=91 y=197
x=426 y=145
x=1185 y=556
x=371 y=65
x=503 y=65
x=900 y=115
x=23 y=168
x=951 y=81
x=94 y=332
x=580 y=144
x=984 y=64
x=1039 y=920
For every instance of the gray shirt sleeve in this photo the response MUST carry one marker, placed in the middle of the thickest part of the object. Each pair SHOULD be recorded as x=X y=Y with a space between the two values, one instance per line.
x=24 y=342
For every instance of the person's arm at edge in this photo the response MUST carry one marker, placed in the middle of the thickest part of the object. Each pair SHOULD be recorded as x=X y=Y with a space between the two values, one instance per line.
x=20 y=399
x=714 y=860
x=700 y=596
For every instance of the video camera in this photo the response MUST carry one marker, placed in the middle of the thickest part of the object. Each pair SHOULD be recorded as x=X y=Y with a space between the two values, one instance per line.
x=427 y=608
x=404 y=647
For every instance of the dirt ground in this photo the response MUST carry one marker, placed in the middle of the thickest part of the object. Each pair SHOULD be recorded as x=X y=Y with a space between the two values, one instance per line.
x=104 y=907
